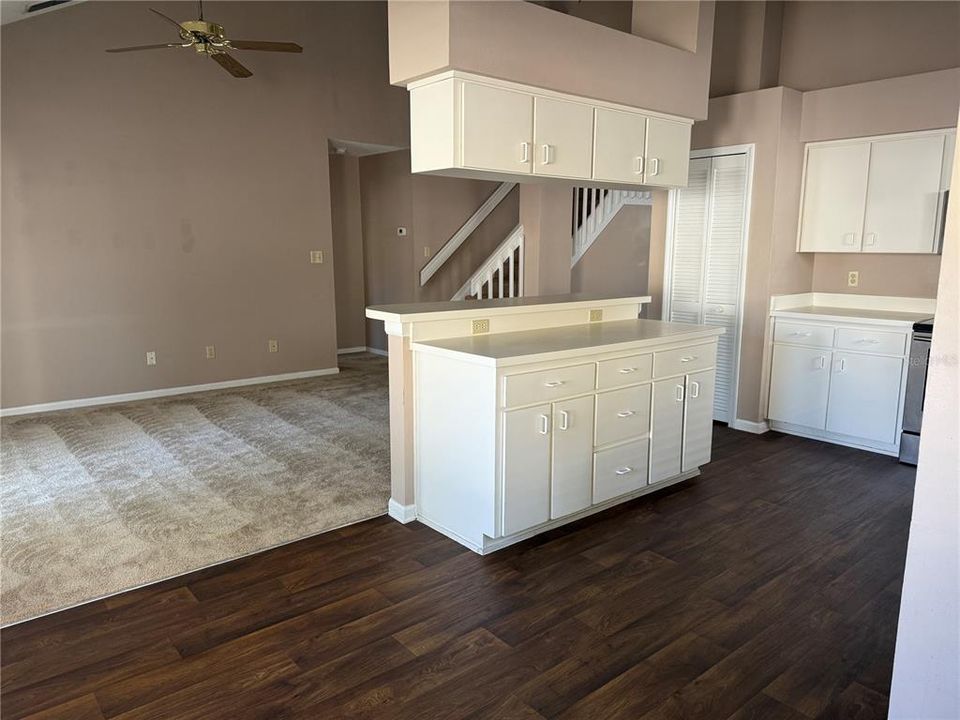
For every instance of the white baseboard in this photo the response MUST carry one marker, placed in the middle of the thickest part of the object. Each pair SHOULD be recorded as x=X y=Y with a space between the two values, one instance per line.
x=378 y=351
x=351 y=350
x=401 y=513
x=757 y=428
x=162 y=392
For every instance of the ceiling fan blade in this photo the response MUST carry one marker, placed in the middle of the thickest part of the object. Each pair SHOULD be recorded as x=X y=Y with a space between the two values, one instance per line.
x=146 y=47
x=268 y=46
x=231 y=65
x=168 y=19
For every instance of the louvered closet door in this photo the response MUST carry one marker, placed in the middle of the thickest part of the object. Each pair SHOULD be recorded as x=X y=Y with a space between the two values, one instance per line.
x=724 y=249
x=690 y=225
x=706 y=259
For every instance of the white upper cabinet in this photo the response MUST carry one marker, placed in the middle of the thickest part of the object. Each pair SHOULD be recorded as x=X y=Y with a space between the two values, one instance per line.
x=497 y=129
x=668 y=153
x=903 y=195
x=619 y=146
x=879 y=195
x=834 y=193
x=471 y=126
x=563 y=134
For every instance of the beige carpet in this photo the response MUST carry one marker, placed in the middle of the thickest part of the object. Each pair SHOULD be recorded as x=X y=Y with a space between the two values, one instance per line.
x=100 y=500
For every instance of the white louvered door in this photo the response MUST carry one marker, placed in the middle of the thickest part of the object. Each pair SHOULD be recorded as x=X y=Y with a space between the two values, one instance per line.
x=706 y=258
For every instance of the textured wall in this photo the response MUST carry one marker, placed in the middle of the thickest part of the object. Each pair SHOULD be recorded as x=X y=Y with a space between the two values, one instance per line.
x=153 y=202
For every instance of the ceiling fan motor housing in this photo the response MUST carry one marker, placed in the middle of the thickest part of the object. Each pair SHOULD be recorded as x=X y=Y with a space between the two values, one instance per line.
x=207 y=31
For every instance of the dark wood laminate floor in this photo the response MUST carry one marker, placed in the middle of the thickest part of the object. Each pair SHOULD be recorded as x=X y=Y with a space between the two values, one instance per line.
x=767 y=588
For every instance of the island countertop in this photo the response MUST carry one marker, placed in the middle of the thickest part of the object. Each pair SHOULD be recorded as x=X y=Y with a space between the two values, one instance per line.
x=512 y=348
x=416 y=312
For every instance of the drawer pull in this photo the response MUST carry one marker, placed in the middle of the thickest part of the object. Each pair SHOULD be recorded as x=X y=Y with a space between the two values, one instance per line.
x=688 y=358
x=627 y=371
x=554 y=383
x=801 y=334
x=868 y=341
x=624 y=470
x=544 y=424
x=625 y=413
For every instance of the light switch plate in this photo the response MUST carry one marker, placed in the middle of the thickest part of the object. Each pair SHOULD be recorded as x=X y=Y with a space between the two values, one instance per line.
x=481 y=326
x=211 y=352
x=316 y=257
x=853 y=278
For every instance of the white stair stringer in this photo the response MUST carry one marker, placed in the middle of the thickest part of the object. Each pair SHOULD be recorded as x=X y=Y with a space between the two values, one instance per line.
x=594 y=208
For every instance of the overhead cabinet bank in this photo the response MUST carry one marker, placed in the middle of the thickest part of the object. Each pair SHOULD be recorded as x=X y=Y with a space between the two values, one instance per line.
x=471 y=126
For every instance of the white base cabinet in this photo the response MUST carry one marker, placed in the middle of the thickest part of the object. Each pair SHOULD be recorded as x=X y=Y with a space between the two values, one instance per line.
x=839 y=382
x=504 y=453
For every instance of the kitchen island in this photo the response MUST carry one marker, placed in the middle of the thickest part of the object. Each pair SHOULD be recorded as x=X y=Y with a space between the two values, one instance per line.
x=525 y=417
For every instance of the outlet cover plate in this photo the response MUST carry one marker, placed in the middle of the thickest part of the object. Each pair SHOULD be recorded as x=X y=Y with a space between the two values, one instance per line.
x=853 y=278
x=481 y=326
x=596 y=315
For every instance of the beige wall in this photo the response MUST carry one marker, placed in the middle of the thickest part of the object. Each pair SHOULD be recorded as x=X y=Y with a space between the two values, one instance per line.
x=746 y=46
x=828 y=44
x=347 y=250
x=432 y=209
x=526 y=43
x=545 y=213
x=153 y=202
x=618 y=261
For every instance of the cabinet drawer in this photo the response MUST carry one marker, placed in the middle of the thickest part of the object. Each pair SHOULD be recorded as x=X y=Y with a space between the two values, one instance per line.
x=619 y=470
x=803 y=334
x=875 y=341
x=623 y=414
x=624 y=371
x=684 y=360
x=546 y=385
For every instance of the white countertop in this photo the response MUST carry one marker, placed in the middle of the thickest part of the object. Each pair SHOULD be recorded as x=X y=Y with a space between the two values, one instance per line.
x=817 y=312
x=416 y=312
x=527 y=346
x=861 y=309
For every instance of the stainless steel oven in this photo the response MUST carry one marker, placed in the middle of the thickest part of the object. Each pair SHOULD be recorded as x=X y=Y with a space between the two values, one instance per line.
x=916 y=387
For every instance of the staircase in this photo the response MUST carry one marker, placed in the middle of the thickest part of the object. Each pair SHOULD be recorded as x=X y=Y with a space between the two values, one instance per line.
x=592 y=210
x=501 y=274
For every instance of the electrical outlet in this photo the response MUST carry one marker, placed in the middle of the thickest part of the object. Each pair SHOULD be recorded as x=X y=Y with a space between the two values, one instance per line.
x=273 y=346
x=316 y=257
x=152 y=357
x=596 y=315
x=211 y=352
x=853 y=278
x=481 y=326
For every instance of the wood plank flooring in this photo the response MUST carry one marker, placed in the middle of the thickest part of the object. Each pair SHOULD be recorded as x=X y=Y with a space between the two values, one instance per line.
x=768 y=588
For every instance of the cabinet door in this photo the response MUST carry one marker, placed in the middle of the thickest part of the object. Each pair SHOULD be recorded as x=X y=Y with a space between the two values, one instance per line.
x=572 y=481
x=668 y=153
x=666 y=431
x=865 y=396
x=496 y=129
x=526 y=468
x=799 y=383
x=834 y=194
x=618 y=146
x=698 y=420
x=563 y=133
x=903 y=195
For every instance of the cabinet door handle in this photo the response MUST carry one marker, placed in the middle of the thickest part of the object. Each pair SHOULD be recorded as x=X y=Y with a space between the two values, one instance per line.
x=694 y=390
x=626 y=413
x=564 y=420
x=546 y=154
x=821 y=362
x=655 y=162
x=553 y=383
x=639 y=170
x=679 y=393
x=624 y=470
x=853 y=238
x=688 y=358
x=870 y=238
x=544 y=424
x=842 y=365
x=627 y=371
x=524 y=152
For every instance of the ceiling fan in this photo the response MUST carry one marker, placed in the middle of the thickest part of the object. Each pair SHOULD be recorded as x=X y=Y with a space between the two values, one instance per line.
x=209 y=39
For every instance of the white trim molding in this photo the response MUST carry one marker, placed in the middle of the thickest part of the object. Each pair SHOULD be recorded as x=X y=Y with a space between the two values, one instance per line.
x=757 y=428
x=401 y=513
x=161 y=392
x=352 y=350
x=378 y=351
